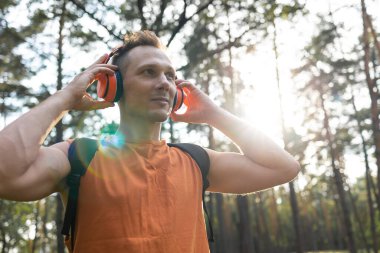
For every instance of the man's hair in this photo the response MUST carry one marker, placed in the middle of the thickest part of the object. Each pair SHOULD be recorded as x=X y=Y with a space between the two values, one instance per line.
x=135 y=39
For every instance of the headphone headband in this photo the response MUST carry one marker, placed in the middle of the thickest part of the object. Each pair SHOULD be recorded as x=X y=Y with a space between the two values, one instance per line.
x=113 y=52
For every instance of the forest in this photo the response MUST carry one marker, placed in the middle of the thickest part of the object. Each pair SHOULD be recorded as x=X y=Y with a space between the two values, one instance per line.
x=304 y=72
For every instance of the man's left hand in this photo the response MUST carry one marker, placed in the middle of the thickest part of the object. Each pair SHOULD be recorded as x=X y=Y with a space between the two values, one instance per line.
x=199 y=106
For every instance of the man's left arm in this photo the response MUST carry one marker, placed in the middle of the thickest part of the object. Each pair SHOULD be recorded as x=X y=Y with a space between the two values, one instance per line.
x=260 y=165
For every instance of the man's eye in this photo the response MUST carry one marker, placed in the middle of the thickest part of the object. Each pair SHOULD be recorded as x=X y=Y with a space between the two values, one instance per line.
x=149 y=72
x=170 y=76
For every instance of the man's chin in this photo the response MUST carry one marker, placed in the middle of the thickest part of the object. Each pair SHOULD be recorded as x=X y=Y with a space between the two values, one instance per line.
x=159 y=116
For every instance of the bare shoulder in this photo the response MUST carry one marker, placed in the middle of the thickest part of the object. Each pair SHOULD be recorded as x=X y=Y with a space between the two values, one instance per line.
x=43 y=177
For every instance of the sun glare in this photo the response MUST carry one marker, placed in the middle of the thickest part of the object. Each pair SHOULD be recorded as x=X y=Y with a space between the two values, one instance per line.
x=260 y=99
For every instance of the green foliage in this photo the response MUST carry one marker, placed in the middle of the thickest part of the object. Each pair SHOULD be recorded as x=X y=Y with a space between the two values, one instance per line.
x=109 y=129
x=12 y=68
x=14 y=228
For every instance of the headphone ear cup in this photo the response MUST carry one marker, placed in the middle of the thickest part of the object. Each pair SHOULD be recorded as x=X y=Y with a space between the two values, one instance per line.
x=178 y=99
x=119 y=86
x=102 y=87
x=110 y=87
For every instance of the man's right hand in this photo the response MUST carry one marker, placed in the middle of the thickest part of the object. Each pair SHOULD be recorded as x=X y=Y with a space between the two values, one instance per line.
x=77 y=88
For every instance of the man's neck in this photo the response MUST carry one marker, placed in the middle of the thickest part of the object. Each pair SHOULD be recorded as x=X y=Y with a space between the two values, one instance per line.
x=139 y=131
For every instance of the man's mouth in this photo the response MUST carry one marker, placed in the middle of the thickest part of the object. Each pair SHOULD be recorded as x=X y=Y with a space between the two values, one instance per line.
x=160 y=99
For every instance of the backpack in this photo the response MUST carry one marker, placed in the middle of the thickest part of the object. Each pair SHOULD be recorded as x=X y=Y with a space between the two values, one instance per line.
x=88 y=147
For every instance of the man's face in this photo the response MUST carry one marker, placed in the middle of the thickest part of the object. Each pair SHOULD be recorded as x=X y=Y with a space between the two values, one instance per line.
x=149 y=86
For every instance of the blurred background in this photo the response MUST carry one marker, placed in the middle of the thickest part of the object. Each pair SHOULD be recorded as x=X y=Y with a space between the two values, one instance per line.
x=304 y=72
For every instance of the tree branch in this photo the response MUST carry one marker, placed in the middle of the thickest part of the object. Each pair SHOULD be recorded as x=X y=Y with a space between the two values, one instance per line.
x=183 y=20
x=235 y=42
x=374 y=35
x=158 y=22
x=140 y=5
x=92 y=15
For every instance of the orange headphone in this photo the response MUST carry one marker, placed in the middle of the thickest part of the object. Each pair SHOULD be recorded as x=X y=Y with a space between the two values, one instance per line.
x=110 y=87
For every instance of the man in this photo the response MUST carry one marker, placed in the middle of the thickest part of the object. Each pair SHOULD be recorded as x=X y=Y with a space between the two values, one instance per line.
x=142 y=196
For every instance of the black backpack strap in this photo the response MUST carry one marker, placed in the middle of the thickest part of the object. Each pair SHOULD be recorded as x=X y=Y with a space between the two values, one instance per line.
x=80 y=154
x=201 y=157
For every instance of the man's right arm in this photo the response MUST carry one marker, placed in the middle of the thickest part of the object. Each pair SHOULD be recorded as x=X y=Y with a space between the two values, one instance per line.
x=29 y=171
x=43 y=177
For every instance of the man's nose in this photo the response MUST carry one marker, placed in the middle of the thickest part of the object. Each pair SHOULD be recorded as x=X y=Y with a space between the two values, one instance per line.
x=163 y=82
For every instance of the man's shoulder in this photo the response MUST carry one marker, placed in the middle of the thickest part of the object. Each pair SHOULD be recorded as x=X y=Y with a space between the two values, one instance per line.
x=199 y=155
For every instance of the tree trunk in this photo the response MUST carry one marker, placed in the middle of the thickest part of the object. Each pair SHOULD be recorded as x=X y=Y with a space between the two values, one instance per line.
x=339 y=237
x=328 y=229
x=368 y=177
x=292 y=193
x=59 y=127
x=36 y=218
x=210 y=208
x=338 y=180
x=229 y=220
x=245 y=238
x=258 y=231
x=371 y=212
x=373 y=92
x=220 y=246
x=215 y=246
x=44 y=223
x=276 y=221
x=3 y=241
x=296 y=218
x=3 y=110
x=371 y=28
x=266 y=244
x=59 y=223
x=246 y=243
x=321 y=231
x=358 y=221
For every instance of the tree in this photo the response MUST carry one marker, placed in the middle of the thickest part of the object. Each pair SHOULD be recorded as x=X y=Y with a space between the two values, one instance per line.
x=322 y=77
x=372 y=85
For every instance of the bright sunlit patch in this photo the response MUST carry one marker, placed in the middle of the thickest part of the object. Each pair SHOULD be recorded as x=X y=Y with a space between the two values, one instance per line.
x=260 y=100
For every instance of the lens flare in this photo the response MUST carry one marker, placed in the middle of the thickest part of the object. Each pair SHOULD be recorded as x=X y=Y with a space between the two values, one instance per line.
x=116 y=140
x=109 y=147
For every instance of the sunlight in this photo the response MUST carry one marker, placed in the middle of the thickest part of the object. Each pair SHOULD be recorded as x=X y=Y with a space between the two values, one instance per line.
x=261 y=107
x=260 y=100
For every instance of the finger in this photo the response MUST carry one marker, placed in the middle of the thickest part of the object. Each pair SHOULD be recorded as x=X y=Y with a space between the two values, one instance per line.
x=102 y=105
x=114 y=67
x=174 y=117
x=98 y=72
x=187 y=85
x=96 y=104
x=102 y=67
x=103 y=71
x=101 y=59
x=178 y=81
x=178 y=117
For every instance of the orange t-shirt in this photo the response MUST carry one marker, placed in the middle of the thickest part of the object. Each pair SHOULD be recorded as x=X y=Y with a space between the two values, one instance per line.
x=143 y=198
